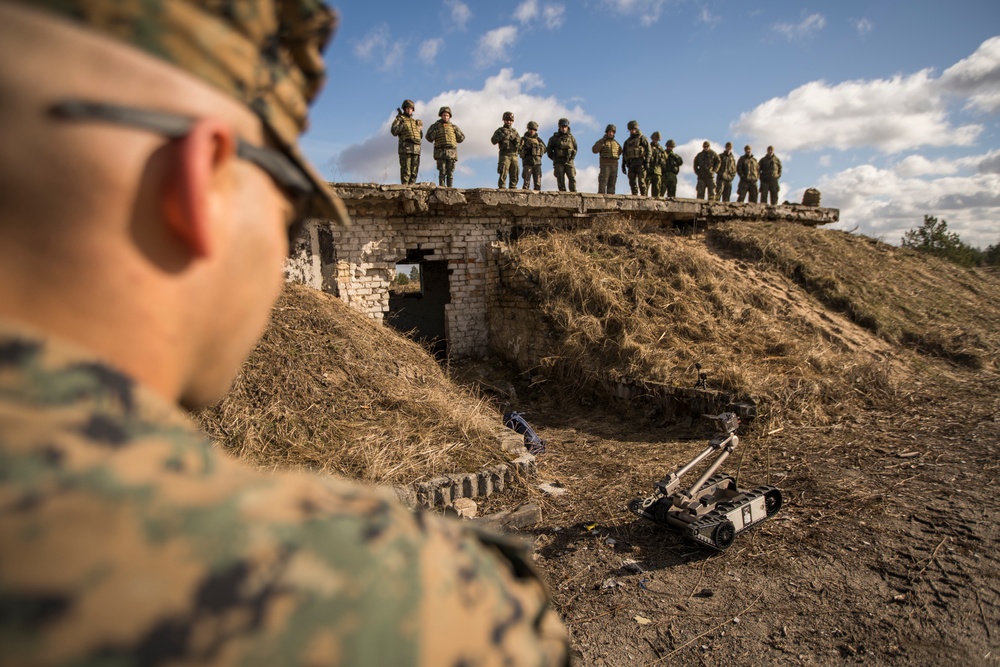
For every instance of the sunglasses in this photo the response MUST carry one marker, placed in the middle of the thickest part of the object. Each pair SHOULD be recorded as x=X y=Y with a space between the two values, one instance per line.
x=296 y=186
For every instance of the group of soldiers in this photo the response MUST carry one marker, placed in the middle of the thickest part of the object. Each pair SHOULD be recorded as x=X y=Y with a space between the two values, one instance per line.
x=651 y=168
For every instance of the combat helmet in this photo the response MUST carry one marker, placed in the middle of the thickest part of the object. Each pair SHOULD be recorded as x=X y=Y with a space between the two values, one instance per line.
x=564 y=122
x=610 y=128
x=532 y=125
x=408 y=104
x=508 y=115
x=655 y=136
x=633 y=125
x=671 y=143
x=444 y=110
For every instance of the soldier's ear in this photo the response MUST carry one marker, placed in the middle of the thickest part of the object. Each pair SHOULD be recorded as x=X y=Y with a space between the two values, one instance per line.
x=199 y=186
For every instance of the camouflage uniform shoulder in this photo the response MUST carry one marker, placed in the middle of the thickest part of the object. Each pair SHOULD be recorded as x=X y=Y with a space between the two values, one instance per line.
x=128 y=538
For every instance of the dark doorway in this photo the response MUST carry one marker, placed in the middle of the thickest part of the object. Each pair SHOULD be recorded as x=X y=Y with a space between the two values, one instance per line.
x=417 y=302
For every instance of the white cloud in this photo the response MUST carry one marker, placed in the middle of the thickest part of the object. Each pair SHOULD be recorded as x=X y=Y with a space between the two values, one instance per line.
x=863 y=26
x=803 y=29
x=460 y=13
x=977 y=77
x=478 y=113
x=708 y=17
x=429 y=49
x=526 y=11
x=823 y=161
x=378 y=46
x=890 y=115
x=648 y=11
x=530 y=10
x=887 y=202
x=494 y=46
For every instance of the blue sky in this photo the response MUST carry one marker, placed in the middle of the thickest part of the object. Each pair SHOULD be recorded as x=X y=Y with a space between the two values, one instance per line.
x=891 y=109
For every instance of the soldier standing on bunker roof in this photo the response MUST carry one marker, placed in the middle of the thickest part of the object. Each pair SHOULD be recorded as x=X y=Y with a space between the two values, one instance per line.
x=509 y=143
x=562 y=151
x=635 y=158
x=164 y=182
x=770 y=172
x=657 y=163
x=410 y=132
x=446 y=137
x=673 y=167
x=532 y=150
x=748 y=172
x=727 y=172
x=609 y=150
x=706 y=163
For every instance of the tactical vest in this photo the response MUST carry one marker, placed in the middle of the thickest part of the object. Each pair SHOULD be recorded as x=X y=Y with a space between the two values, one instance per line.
x=508 y=139
x=533 y=146
x=564 y=146
x=633 y=150
x=445 y=137
x=611 y=150
x=658 y=160
x=409 y=130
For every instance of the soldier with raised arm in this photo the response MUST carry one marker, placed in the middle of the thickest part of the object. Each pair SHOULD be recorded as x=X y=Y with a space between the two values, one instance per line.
x=609 y=150
x=410 y=132
x=149 y=185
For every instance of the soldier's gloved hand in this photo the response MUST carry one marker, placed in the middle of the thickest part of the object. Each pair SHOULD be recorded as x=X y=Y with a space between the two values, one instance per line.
x=624 y=170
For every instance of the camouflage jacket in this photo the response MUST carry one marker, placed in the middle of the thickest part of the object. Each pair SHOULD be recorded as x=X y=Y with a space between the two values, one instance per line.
x=674 y=162
x=636 y=151
x=446 y=137
x=507 y=139
x=770 y=168
x=126 y=538
x=658 y=159
x=562 y=147
x=747 y=168
x=706 y=163
x=727 y=166
x=609 y=149
x=410 y=131
x=532 y=149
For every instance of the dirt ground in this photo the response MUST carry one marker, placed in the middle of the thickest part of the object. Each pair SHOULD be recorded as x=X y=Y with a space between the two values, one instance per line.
x=885 y=551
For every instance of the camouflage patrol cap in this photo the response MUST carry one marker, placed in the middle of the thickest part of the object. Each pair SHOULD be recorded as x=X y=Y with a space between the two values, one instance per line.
x=532 y=125
x=655 y=136
x=564 y=122
x=444 y=110
x=508 y=115
x=610 y=128
x=267 y=54
x=633 y=125
x=671 y=143
x=408 y=104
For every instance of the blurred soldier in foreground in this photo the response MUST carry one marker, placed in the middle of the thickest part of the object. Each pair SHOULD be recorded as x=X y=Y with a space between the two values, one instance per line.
x=532 y=150
x=562 y=151
x=635 y=158
x=410 y=132
x=706 y=163
x=674 y=162
x=609 y=150
x=657 y=162
x=148 y=186
x=727 y=172
x=770 y=172
x=446 y=137
x=748 y=171
x=509 y=142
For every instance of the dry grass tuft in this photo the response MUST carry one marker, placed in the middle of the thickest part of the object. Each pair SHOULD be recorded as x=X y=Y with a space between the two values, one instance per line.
x=331 y=390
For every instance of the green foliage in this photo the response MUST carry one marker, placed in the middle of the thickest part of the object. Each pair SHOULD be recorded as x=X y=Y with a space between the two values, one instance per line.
x=415 y=273
x=934 y=238
x=991 y=256
x=401 y=280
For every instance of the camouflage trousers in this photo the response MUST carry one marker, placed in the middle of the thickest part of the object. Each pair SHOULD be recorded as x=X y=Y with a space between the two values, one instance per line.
x=508 y=170
x=532 y=171
x=657 y=185
x=607 y=178
x=670 y=184
x=565 y=171
x=637 y=179
x=769 y=190
x=705 y=188
x=723 y=188
x=446 y=171
x=745 y=187
x=409 y=167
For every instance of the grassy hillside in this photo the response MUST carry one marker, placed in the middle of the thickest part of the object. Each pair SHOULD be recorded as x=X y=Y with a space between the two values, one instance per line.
x=329 y=389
